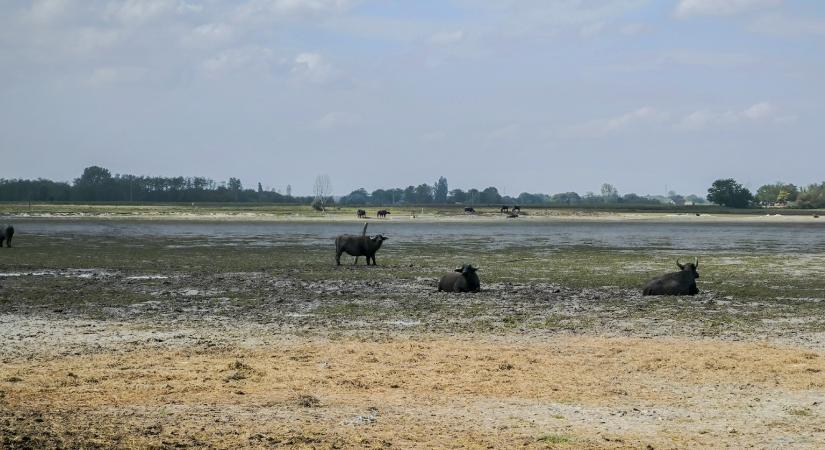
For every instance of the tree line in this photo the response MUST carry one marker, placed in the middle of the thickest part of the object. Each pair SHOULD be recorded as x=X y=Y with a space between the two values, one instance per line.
x=440 y=193
x=97 y=184
x=728 y=192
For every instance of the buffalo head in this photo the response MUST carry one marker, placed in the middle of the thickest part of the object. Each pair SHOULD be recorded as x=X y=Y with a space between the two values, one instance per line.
x=689 y=267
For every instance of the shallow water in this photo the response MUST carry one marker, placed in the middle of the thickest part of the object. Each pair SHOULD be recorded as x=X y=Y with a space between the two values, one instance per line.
x=759 y=237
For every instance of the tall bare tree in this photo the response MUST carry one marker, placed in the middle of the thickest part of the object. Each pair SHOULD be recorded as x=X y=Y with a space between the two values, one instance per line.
x=322 y=189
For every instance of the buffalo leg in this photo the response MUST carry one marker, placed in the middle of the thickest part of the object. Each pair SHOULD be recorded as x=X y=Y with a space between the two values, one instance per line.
x=2 y=238
x=337 y=258
x=356 y=261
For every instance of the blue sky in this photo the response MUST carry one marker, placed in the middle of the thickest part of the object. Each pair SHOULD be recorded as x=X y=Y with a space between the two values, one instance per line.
x=527 y=95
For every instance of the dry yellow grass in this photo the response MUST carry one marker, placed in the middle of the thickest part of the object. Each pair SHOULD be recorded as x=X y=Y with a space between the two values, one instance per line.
x=468 y=391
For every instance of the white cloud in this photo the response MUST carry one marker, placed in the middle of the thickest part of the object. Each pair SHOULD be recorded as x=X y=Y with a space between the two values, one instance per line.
x=447 y=37
x=337 y=120
x=506 y=132
x=262 y=10
x=137 y=11
x=47 y=11
x=632 y=29
x=209 y=34
x=621 y=123
x=591 y=29
x=781 y=25
x=238 y=59
x=624 y=121
x=312 y=68
x=185 y=7
x=113 y=75
x=759 y=111
x=704 y=119
x=687 y=8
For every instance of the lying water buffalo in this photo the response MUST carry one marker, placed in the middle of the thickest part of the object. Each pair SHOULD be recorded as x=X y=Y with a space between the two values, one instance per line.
x=382 y=213
x=469 y=210
x=358 y=246
x=6 y=235
x=675 y=283
x=464 y=279
x=361 y=213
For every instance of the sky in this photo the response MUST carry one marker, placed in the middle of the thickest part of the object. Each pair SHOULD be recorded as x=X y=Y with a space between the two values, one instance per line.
x=526 y=95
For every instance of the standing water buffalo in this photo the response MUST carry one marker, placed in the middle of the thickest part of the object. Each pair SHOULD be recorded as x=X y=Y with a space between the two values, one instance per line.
x=361 y=213
x=358 y=246
x=6 y=235
x=504 y=209
x=464 y=279
x=675 y=283
x=382 y=213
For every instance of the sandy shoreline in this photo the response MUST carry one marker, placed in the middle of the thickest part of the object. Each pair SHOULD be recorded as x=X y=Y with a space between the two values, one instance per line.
x=533 y=217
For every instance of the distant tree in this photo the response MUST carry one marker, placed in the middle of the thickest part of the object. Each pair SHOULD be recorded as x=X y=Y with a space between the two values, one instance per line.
x=409 y=194
x=490 y=195
x=727 y=192
x=322 y=190
x=609 y=193
x=526 y=198
x=694 y=199
x=440 y=190
x=812 y=196
x=356 y=197
x=423 y=193
x=458 y=196
x=676 y=198
x=566 y=198
x=633 y=199
x=94 y=184
x=235 y=188
x=778 y=192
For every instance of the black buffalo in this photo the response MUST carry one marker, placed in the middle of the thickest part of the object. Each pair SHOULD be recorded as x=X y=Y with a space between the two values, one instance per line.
x=6 y=235
x=358 y=246
x=382 y=213
x=469 y=210
x=516 y=209
x=464 y=279
x=361 y=213
x=675 y=283
x=504 y=209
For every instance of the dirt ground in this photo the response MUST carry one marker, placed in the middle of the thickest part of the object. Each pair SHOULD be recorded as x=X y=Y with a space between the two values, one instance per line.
x=108 y=343
x=143 y=376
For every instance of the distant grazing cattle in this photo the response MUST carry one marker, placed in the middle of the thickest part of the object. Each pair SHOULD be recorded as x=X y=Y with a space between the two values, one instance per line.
x=675 y=283
x=464 y=279
x=504 y=209
x=516 y=209
x=469 y=210
x=361 y=214
x=382 y=213
x=6 y=235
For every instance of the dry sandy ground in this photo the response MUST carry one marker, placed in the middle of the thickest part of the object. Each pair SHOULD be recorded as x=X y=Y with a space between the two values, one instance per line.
x=414 y=391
